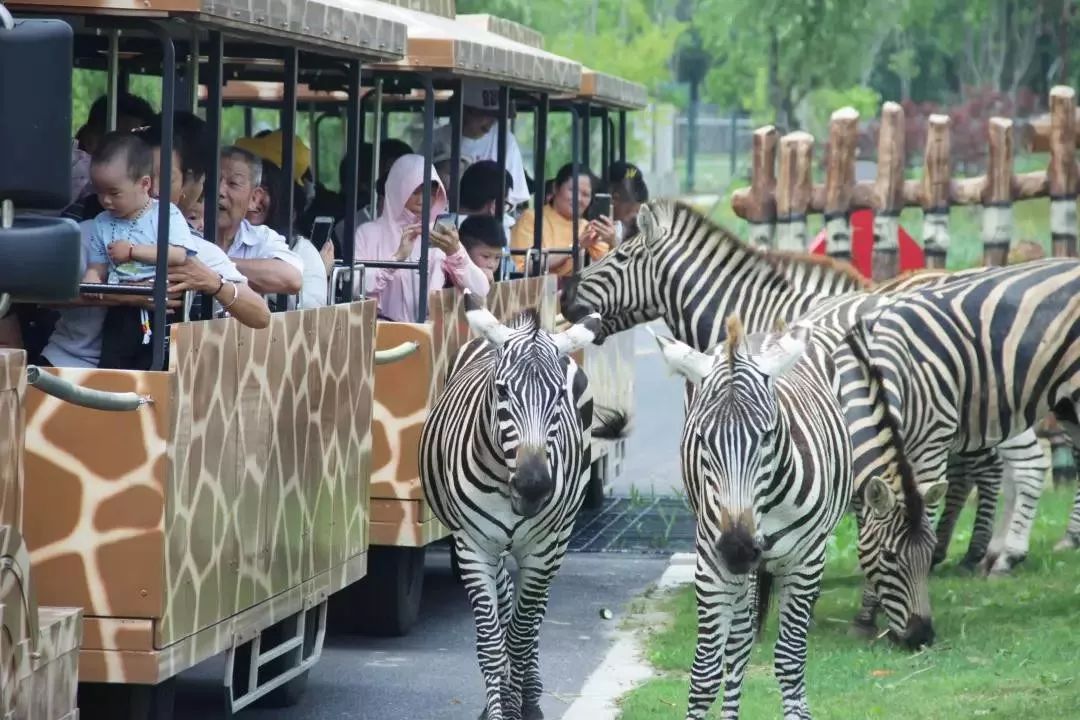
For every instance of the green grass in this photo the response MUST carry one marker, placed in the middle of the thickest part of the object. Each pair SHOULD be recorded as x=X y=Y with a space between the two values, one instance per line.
x=1006 y=648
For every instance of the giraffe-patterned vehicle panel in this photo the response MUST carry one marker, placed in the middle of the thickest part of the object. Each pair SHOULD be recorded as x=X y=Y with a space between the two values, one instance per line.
x=247 y=476
x=39 y=646
x=405 y=391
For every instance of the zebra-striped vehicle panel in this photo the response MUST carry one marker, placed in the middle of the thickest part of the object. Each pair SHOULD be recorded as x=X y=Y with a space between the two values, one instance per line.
x=504 y=456
x=957 y=367
x=767 y=466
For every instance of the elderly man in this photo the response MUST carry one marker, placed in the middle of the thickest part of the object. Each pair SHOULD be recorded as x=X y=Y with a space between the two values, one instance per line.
x=262 y=255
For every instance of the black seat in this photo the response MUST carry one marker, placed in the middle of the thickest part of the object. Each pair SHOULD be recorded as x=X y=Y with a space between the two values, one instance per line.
x=40 y=259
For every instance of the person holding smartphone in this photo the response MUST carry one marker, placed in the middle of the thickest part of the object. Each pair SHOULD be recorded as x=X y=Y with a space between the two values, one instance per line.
x=396 y=234
x=558 y=218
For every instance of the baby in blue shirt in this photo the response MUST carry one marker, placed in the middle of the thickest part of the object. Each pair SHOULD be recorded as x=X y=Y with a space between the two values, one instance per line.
x=123 y=242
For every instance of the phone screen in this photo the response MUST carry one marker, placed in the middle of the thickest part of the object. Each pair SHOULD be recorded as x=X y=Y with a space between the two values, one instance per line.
x=447 y=221
x=320 y=230
x=600 y=206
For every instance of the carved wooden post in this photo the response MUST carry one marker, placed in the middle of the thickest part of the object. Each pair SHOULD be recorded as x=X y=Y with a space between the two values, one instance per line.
x=761 y=208
x=888 y=193
x=997 y=196
x=793 y=190
x=1061 y=172
x=937 y=175
x=840 y=181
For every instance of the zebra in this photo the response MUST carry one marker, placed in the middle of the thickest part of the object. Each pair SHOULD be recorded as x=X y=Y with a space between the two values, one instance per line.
x=504 y=454
x=690 y=272
x=767 y=467
x=957 y=367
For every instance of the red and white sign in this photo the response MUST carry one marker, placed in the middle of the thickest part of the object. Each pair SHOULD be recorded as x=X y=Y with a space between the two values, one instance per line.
x=862 y=245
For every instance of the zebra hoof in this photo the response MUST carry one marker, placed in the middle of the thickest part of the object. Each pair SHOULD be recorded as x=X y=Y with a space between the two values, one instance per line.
x=862 y=630
x=532 y=712
x=968 y=566
x=1069 y=542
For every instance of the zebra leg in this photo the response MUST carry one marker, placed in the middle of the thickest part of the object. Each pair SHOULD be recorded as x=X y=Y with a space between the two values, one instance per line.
x=988 y=479
x=479 y=573
x=1071 y=539
x=1025 y=468
x=717 y=592
x=864 y=624
x=960 y=484
x=798 y=590
x=740 y=642
x=536 y=572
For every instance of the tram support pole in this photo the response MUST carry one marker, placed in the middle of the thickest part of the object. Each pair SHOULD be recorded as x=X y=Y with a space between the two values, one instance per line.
x=354 y=133
x=575 y=154
x=622 y=136
x=456 y=103
x=540 y=161
x=214 y=80
x=168 y=104
x=425 y=212
x=504 y=129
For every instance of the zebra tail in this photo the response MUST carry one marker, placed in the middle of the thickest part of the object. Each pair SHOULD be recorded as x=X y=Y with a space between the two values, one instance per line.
x=609 y=424
x=764 y=582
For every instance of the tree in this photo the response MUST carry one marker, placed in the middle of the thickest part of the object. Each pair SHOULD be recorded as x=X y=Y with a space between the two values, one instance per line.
x=771 y=54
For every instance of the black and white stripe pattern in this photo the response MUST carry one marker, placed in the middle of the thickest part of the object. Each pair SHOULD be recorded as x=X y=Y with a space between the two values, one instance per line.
x=503 y=460
x=958 y=367
x=683 y=268
x=767 y=467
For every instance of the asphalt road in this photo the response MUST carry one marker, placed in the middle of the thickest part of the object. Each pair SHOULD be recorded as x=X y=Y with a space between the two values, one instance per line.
x=432 y=673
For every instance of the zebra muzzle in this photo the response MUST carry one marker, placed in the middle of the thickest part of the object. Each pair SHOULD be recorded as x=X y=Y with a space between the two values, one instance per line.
x=531 y=484
x=741 y=546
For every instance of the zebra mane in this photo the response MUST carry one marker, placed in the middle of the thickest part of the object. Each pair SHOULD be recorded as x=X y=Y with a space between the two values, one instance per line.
x=913 y=499
x=528 y=319
x=734 y=338
x=786 y=263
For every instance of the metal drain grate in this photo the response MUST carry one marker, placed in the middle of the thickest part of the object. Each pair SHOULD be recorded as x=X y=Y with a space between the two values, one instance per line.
x=656 y=526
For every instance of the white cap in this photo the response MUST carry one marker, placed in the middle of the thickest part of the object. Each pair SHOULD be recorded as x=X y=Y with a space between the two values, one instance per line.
x=481 y=95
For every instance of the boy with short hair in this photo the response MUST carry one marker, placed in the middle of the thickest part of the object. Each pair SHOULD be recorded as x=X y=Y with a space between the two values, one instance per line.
x=123 y=242
x=483 y=239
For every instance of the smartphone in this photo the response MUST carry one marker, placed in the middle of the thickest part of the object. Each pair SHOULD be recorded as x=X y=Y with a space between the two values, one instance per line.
x=599 y=207
x=320 y=230
x=447 y=221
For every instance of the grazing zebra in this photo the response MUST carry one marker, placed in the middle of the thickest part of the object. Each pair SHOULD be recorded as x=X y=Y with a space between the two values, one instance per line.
x=690 y=272
x=503 y=460
x=957 y=367
x=767 y=468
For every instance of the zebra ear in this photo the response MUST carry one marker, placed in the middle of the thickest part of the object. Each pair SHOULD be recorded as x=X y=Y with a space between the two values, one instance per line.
x=681 y=358
x=879 y=496
x=646 y=222
x=780 y=352
x=483 y=323
x=578 y=335
x=934 y=492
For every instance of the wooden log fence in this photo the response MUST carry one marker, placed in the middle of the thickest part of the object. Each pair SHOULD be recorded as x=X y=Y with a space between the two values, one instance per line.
x=778 y=202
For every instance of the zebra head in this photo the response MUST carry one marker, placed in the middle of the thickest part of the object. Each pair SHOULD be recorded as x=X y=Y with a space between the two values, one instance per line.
x=733 y=427
x=529 y=386
x=623 y=286
x=896 y=539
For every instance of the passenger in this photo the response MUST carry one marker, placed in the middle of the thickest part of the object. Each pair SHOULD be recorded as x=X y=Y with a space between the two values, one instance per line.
x=271 y=210
x=121 y=246
x=480 y=136
x=481 y=191
x=394 y=236
x=363 y=195
x=261 y=254
x=190 y=152
x=131 y=112
x=482 y=237
x=558 y=216
x=195 y=215
x=628 y=193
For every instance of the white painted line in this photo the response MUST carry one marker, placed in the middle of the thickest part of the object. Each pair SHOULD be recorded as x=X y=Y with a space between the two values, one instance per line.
x=624 y=667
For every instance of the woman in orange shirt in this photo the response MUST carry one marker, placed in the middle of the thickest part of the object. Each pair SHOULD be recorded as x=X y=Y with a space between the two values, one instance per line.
x=596 y=238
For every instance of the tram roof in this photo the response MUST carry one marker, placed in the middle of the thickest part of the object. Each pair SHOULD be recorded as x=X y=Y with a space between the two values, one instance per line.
x=370 y=30
x=612 y=91
x=465 y=47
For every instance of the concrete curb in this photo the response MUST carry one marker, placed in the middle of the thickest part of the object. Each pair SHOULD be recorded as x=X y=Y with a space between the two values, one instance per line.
x=624 y=667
